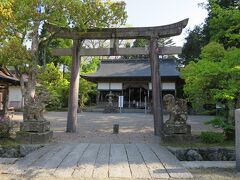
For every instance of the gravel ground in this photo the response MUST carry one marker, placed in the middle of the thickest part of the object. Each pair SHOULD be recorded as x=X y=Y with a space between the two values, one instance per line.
x=198 y=174
x=215 y=174
x=97 y=127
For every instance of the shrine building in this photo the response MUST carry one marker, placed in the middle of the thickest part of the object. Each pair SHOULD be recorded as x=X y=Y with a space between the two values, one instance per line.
x=6 y=80
x=132 y=79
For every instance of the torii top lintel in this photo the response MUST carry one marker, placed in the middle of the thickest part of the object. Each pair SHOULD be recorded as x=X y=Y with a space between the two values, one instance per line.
x=119 y=33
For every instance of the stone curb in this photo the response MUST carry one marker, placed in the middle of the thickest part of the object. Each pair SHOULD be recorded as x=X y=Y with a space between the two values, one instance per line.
x=209 y=164
x=8 y=160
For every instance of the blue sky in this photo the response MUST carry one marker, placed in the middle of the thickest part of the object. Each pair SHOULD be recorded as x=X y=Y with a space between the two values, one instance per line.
x=160 y=12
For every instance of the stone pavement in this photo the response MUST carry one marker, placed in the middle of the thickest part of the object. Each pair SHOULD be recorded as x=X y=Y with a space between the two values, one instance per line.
x=99 y=161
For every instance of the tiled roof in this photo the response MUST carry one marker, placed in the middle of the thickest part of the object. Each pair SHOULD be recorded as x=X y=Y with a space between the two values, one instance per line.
x=6 y=76
x=133 y=68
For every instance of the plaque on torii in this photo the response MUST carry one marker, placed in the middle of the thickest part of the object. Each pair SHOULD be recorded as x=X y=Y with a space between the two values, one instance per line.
x=114 y=34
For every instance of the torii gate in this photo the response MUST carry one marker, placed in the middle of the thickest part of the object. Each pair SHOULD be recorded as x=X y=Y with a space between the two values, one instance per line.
x=151 y=33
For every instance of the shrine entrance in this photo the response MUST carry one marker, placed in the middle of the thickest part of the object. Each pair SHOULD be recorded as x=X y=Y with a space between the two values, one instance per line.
x=115 y=34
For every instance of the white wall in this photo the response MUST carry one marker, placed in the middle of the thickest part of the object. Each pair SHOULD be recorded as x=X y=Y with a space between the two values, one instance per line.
x=103 y=86
x=165 y=86
x=116 y=86
x=15 y=96
x=109 y=86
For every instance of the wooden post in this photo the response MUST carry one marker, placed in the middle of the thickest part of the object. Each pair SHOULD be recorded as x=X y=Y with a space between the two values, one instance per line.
x=129 y=98
x=74 y=88
x=156 y=86
x=140 y=97
x=237 y=137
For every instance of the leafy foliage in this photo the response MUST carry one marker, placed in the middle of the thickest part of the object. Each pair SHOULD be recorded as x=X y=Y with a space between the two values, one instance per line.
x=194 y=42
x=52 y=79
x=215 y=79
x=27 y=24
x=220 y=123
x=212 y=137
x=224 y=23
x=87 y=88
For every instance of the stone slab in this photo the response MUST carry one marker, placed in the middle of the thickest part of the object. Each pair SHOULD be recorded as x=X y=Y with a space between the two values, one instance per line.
x=8 y=160
x=67 y=166
x=50 y=166
x=118 y=163
x=35 y=126
x=154 y=165
x=34 y=138
x=180 y=138
x=24 y=163
x=170 y=162
x=101 y=164
x=209 y=164
x=86 y=164
x=177 y=129
x=136 y=162
x=98 y=161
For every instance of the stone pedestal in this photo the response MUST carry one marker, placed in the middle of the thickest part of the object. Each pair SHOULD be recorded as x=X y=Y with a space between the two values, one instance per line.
x=110 y=109
x=177 y=129
x=35 y=126
x=34 y=132
x=177 y=138
x=177 y=133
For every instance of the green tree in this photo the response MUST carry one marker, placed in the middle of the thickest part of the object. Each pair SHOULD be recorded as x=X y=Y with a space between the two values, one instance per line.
x=87 y=88
x=194 y=42
x=224 y=22
x=215 y=79
x=221 y=25
x=29 y=16
x=6 y=14
x=52 y=79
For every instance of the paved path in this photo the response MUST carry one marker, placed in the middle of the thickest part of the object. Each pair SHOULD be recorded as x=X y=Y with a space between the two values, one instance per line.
x=132 y=161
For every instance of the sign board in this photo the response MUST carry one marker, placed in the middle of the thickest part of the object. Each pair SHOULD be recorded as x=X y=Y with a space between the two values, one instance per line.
x=120 y=101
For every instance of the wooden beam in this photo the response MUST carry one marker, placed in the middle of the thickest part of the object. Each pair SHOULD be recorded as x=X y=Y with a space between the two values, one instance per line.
x=156 y=87
x=117 y=52
x=119 y=33
x=74 y=88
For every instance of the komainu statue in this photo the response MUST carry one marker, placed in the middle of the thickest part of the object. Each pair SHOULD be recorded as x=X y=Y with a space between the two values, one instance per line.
x=177 y=122
x=35 y=128
x=34 y=108
x=177 y=109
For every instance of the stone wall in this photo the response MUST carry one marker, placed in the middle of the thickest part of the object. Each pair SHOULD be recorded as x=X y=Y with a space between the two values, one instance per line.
x=204 y=154
x=17 y=151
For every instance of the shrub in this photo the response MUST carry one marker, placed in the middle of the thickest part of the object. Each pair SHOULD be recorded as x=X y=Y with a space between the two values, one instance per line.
x=212 y=137
x=5 y=127
x=228 y=129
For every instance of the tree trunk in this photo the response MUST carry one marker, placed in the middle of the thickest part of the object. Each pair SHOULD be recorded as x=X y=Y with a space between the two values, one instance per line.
x=29 y=95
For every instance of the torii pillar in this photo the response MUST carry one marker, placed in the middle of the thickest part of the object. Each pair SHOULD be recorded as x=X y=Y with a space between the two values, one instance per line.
x=156 y=86
x=74 y=88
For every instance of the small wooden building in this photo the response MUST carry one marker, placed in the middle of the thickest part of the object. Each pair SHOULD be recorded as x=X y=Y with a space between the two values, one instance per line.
x=132 y=79
x=6 y=80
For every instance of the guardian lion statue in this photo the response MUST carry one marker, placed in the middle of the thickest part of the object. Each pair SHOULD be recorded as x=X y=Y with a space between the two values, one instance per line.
x=177 y=108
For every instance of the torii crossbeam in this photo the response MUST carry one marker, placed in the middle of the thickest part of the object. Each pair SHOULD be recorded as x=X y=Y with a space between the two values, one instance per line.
x=151 y=33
